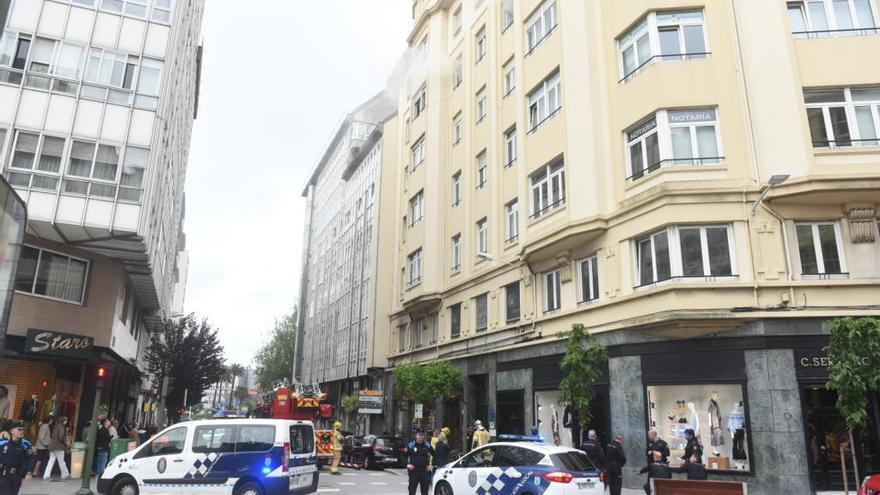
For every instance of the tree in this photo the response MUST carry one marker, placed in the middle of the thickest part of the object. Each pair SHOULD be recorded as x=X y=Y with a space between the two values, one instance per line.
x=854 y=352
x=582 y=364
x=425 y=383
x=350 y=404
x=234 y=370
x=189 y=351
x=240 y=394
x=274 y=360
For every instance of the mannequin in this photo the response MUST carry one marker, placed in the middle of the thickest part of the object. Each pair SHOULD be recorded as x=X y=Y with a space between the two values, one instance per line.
x=736 y=425
x=49 y=407
x=554 y=424
x=693 y=418
x=717 y=438
x=571 y=420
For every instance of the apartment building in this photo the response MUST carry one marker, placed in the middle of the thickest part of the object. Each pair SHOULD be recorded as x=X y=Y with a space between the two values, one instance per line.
x=342 y=338
x=696 y=182
x=97 y=102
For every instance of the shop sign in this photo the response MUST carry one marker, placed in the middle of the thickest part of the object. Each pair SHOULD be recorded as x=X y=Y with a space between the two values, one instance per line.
x=370 y=401
x=48 y=343
x=816 y=362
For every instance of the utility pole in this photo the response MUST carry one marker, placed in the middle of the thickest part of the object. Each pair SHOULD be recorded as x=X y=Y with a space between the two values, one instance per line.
x=167 y=387
x=100 y=376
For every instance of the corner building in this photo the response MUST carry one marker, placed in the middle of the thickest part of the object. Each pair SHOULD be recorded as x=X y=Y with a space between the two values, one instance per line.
x=97 y=102
x=697 y=183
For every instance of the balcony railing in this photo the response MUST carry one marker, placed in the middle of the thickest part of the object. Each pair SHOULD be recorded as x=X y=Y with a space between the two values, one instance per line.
x=683 y=278
x=675 y=162
x=830 y=33
x=668 y=56
x=845 y=143
x=546 y=209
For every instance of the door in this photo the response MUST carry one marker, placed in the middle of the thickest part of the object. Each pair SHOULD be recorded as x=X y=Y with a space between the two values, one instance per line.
x=303 y=459
x=511 y=412
x=211 y=456
x=475 y=469
x=160 y=464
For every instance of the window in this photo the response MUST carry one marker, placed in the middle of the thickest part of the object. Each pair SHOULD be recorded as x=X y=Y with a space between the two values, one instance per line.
x=484 y=458
x=482 y=236
x=673 y=138
x=481 y=45
x=97 y=161
x=456 y=129
x=132 y=178
x=302 y=439
x=685 y=251
x=510 y=456
x=482 y=107
x=162 y=10
x=510 y=147
x=509 y=78
x=481 y=312
x=589 y=278
x=506 y=14
x=50 y=274
x=422 y=48
x=418 y=153
x=56 y=57
x=456 y=21
x=434 y=327
x=215 y=438
x=548 y=189
x=25 y=152
x=482 y=170
x=416 y=204
x=415 y=266
x=844 y=117
x=255 y=438
x=456 y=189
x=419 y=102
x=819 y=249
x=511 y=301
x=403 y=338
x=816 y=18
x=456 y=252
x=455 y=321
x=169 y=443
x=541 y=24
x=132 y=7
x=678 y=35
x=552 y=291
x=457 y=72
x=111 y=69
x=545 y=101
x=512 y=210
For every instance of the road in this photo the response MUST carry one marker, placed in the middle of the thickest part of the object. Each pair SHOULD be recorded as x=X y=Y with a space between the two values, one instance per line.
x=350 y=481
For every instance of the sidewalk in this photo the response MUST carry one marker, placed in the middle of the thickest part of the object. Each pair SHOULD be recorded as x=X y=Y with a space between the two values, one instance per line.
x=39 y=487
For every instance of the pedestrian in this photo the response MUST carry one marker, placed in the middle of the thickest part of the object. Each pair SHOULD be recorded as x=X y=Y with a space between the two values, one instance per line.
x=657 y=469
x=16 y=459
x=693 y=446
x=336 y=439
x=694 y=468
x=87 y=430
x=594 y=451
x=615 y=459
x=441 y=456
x=44 y=436
x=418 y=463
x=657 y=444
x=102 y=447
x=114 y=433
x=59 y=443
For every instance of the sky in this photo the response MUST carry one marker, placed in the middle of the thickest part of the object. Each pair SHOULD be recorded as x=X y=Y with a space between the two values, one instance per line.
x=277 y=77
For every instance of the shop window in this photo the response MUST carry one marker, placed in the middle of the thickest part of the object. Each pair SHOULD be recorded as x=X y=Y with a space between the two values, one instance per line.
x=717 y=415
x=553 y=418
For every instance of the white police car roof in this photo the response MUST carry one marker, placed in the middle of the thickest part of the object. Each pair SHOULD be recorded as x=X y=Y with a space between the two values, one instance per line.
x=543 y=448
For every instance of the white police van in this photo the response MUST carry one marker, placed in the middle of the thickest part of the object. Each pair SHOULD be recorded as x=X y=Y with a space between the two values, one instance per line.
x=226 y=456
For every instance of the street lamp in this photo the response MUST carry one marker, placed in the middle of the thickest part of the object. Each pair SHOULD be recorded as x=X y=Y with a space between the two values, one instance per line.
x=774 y=181
x=489 y=257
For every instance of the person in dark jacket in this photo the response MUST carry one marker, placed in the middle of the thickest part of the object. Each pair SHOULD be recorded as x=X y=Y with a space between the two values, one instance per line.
x=17 y=457
x=418 y=463
x=656 y=470
x=102 y=447
x=593 y=449
x=694 y=468
x=441 y=451
x=658 y=445
x=615 y=459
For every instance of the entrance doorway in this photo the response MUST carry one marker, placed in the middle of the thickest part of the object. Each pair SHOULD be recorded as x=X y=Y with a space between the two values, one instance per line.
x=828 y=443
x=511 y=412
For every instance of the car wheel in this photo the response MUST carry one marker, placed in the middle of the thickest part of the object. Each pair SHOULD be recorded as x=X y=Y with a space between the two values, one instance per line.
x=125 y=486
x=249 y=488
x=443 y=488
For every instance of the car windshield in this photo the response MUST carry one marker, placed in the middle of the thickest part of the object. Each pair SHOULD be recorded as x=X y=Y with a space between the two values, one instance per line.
x=573 y=461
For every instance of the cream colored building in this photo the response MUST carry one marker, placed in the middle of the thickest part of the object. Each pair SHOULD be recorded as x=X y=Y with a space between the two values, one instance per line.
x=696 y=182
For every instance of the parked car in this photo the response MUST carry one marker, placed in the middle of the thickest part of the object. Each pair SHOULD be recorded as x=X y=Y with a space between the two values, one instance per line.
x=871 y=485
x=382 y=452
x=352 y=448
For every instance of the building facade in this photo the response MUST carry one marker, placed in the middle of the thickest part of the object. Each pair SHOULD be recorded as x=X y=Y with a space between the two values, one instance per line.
x=697 y=183
x=97 y=102
x=342 y=333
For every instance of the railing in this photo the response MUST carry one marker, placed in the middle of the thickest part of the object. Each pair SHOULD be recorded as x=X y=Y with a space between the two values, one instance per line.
x=701 y=278
x=828 y=33
x=845 y=143
x=545 y=119
x=512 y=239
x=825 y=275
x=671 y=162
x=546 y=209
x=669 y=56
x=538 y=42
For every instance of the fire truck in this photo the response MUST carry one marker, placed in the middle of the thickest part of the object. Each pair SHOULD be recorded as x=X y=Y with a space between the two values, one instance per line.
x=303 y=402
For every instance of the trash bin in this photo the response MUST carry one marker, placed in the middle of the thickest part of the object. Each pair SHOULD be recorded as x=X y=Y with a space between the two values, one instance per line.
x=118 y=446
x=77 y=459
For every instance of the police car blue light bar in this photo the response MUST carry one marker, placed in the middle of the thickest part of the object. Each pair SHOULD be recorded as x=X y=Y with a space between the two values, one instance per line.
x=506 y=437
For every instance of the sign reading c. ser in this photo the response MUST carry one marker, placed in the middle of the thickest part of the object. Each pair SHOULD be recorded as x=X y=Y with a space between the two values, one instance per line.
x=49 y=343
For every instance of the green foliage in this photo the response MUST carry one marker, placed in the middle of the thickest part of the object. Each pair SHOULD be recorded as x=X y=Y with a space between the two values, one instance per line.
x=425 y=383
x=349 y=403
x=854 y=351
x=274 y=360
x=582 y=364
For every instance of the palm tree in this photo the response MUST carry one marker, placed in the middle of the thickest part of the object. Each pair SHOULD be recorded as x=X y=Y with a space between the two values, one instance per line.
x=234 y=370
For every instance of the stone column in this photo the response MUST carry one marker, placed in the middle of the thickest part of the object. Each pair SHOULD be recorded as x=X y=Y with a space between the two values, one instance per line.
x=627 y=397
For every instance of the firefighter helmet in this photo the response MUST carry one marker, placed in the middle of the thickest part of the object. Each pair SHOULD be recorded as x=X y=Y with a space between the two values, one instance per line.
x=337 y=425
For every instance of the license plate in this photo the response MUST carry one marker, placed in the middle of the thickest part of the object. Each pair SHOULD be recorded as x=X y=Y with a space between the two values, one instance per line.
x=301 y=480
x=586 y=485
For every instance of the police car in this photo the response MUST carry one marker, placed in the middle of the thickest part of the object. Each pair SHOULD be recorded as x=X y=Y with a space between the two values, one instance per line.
x=229 y=457
x=520 y=468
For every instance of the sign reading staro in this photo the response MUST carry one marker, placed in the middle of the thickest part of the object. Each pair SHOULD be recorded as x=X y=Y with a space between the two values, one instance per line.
x=49 y=343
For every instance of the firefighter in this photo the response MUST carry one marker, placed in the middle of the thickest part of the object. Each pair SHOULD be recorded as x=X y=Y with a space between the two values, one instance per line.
x=336 y=441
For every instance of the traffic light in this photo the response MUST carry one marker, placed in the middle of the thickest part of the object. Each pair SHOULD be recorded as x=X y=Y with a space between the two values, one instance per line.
x=100 y=376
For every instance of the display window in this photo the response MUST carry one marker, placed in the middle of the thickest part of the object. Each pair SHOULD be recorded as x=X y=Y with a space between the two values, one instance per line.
x=717 y=415
x=555 y=421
